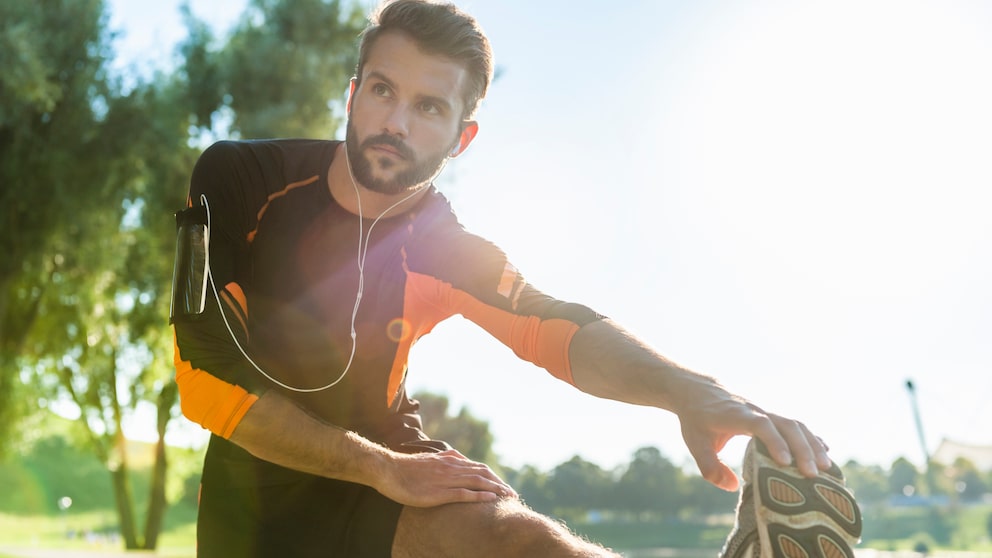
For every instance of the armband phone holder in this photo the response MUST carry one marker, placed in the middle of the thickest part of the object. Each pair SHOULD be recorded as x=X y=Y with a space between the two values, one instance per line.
x=191 y=271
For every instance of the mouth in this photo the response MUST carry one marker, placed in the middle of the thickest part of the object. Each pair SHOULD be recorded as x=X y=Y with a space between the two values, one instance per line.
x=386 y=149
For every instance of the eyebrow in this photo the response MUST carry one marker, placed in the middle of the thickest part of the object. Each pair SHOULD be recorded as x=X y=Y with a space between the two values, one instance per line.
x=440 y=101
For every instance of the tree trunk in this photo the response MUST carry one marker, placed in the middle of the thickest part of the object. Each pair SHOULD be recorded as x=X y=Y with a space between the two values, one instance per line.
x=156 y=501
x=125 y=512
x=120 y=473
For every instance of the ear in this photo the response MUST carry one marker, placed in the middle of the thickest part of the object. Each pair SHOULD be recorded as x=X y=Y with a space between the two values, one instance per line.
x=351 y=94
x=469 y=130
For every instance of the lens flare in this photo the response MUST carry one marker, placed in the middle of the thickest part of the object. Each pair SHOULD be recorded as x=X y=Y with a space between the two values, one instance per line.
x=398 y=330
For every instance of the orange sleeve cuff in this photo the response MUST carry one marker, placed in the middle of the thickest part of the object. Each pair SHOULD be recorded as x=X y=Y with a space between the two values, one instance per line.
x=543 y=342
x=209 y=401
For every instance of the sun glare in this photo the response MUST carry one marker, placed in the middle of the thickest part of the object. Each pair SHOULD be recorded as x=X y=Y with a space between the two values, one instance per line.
x=844 y=146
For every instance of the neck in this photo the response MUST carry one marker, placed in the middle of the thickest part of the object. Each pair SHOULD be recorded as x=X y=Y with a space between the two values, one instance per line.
x=346 y=191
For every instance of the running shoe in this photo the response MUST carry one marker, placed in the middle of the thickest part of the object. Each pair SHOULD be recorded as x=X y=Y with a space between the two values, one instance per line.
x=782 y=514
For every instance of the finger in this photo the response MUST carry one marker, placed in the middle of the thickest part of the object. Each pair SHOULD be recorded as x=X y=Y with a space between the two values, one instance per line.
x=826 y=447
x=465 y=495
x=437 y=491
x=716 y=472
x=820 y=452
x=807 y=452
x=722 y=476
x=454 y=453
x=469 y=486
x=458 y=464
x=778 y=448
x=484 y=475
x=708 y=461
x=494 y=485
x=427 y=480
x=452 y=495
x=481 y=473
x=456 y=459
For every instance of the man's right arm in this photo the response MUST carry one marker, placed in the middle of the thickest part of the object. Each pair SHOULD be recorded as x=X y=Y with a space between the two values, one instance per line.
x=272 y=427
x=277 y=430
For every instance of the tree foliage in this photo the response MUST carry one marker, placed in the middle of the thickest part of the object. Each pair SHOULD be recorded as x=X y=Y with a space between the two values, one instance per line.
x=967 y=480
x=91 y=174
x=650 y=485
x=283 y=71
x=463 y=431
x=58 y=131
x=904 y=477
x=578 y=485
x=869 y=482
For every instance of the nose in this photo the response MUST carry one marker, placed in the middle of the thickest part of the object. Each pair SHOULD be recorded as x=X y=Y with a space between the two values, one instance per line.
x=397 y=122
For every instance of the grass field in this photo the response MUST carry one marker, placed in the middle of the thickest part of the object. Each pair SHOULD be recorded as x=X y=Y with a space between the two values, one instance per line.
x=86 y=532
x=90 y=534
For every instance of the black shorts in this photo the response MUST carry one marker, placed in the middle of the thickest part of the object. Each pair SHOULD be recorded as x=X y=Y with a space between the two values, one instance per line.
x=250 y=508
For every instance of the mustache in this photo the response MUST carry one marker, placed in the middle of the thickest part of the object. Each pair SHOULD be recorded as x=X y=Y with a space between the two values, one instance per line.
x=392 y=141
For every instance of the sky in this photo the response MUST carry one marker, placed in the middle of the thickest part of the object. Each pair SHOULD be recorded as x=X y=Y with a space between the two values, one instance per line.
x=792 y=197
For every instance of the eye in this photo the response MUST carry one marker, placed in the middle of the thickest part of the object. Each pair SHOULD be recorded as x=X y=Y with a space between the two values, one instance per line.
x=381 y=90
x=430 y=107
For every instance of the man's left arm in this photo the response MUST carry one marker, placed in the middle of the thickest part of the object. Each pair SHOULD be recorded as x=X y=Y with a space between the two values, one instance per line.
x=608 y=362
x=581 y=347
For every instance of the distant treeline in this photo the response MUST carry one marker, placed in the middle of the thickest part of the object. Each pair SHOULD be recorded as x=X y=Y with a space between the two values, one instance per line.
x=649 y=486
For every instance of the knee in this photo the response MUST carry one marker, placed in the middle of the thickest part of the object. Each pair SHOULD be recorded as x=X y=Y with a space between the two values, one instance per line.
x=511 y=516
x=503 y=528
x=528 y=533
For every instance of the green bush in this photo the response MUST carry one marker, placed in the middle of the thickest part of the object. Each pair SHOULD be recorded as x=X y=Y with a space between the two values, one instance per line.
x=33 y=483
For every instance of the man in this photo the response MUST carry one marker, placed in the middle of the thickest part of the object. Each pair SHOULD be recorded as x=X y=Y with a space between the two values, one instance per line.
x=320 y=265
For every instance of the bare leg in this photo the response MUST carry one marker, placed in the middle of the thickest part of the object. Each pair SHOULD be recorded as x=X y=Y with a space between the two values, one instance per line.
x=505 y=528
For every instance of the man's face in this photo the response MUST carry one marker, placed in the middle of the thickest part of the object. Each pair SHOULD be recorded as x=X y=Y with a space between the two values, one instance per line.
x=405 y=115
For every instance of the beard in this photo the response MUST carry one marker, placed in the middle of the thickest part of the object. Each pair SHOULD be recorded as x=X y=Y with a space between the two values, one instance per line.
x=417 y=172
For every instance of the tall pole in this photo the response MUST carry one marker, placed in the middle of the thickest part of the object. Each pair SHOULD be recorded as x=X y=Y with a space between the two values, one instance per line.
x=919 y=431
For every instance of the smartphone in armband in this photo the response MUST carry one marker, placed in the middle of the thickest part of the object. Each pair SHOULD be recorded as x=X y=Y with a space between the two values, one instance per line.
x=191 y=271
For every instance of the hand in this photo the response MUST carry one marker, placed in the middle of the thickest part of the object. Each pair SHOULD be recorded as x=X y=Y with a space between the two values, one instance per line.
x=709 y=423
x=433 y=479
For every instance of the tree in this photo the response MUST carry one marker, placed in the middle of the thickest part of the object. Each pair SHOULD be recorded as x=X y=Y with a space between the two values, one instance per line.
x=967 y=480
x=700 y=498
x=577 y=486
x=532 y=485
x=55 y=138
x=868 y=482
x=463 y=431
x=650 y=485
x=903 y=477
x=283 y=73
x=82 y=274
x=87 y=248
x=100 y=340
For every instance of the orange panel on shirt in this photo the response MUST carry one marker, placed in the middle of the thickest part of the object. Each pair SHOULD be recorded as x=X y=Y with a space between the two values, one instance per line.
x=209 y=401
x=542 y=342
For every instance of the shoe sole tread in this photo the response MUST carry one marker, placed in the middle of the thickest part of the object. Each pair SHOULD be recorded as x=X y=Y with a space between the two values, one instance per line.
x=801 y=517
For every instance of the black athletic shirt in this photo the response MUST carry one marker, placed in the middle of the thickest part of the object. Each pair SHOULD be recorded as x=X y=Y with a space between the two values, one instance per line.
x=285 y=258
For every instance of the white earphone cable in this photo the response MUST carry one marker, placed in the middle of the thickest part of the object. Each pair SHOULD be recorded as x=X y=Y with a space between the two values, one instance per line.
x=363 y=248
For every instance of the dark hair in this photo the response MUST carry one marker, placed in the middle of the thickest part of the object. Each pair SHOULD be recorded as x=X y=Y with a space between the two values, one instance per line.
x=440 y=29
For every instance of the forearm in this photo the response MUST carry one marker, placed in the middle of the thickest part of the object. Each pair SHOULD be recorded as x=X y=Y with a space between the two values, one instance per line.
x=611 y=363
x=277 y=430
x=608 y=362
